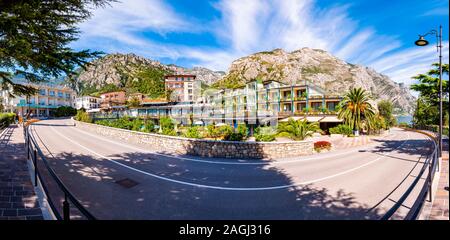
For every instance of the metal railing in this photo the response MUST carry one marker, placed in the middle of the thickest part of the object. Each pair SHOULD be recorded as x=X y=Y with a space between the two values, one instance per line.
x=35 y=154
x=431 y=162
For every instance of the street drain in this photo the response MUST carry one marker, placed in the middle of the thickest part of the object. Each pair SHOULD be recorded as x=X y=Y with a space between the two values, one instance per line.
x=127 y=183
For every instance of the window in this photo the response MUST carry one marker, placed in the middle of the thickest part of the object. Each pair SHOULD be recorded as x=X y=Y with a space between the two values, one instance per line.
x=42 y=91
x=316 y=105
x=190 y=91
x=331 y=106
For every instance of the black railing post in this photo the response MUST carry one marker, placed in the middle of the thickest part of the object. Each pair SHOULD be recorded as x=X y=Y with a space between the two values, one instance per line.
x=430 y=169
x=28 y=147
x=66 y=208
x=35 y=167
x=437 y=162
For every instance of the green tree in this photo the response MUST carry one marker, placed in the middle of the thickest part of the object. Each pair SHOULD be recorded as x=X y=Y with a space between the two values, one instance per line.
x=298 y=130
x=427 y=110
x=426 y=113
x=34 y=39
x=355 y=109
x=133 y=102
x=149 y=81
x=65 y=111
x=385 y=109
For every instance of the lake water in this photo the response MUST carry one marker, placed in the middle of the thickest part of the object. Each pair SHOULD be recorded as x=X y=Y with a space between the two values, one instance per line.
x=404 y=119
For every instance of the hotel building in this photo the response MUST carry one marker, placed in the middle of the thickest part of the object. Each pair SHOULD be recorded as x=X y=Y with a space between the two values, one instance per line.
x=113 y=100
x=183 y=87
x=87 y=102
x=43 y=104
x=257 y=103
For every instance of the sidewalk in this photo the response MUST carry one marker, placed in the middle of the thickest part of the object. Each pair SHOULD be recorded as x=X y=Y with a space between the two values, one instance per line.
x=439 y=210
x=18 y=200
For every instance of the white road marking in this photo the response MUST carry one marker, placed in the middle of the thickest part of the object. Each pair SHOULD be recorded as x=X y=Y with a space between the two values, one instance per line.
x=227 y=188
x=219 y=162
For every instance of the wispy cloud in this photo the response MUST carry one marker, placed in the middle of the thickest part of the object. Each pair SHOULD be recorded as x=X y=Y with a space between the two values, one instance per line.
x=245 y=27
x=404 y=64
x=436 y=8
x=125 y=21
x=436 y=12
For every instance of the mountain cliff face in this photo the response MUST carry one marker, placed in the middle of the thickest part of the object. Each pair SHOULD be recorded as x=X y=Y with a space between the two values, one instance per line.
x=320 y=68
x=129 y=71
x=122 y=70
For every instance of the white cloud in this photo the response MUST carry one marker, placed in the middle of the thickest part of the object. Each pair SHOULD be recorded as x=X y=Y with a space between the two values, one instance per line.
x=245 y=27
x=125 y=21
x=402 y=65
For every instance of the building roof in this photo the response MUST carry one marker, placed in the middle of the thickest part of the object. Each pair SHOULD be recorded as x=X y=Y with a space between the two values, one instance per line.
x=180 y=75
x=112 y=92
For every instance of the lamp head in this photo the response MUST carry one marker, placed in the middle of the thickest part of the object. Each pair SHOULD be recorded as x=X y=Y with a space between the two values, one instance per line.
x=421 y=42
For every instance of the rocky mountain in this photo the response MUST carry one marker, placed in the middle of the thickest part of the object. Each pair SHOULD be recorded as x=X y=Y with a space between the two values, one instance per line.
x=320 y=68
x=129 y=71
x=121 y=69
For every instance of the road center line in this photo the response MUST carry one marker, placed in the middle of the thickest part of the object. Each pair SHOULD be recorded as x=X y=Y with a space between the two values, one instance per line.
x=225 y=188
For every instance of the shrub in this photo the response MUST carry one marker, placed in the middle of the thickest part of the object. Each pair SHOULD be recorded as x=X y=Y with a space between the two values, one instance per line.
x=242 y=129
x=137 y=125
x=234 y=136
x=166 y=123
x=284 y=134
x=103 y=122
x=321 y=145
x=149 y=126
x=193 y=132
x=213 y=131
x=6 y=119
x=123 y=122
x=169 y=132
x=298 y=129
x=341 y=129
x=265 y=134
x=225 y=131
x=83 y=116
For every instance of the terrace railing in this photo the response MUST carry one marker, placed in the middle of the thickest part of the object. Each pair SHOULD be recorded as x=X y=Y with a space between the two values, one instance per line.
x=430 y=166
x=37 y=158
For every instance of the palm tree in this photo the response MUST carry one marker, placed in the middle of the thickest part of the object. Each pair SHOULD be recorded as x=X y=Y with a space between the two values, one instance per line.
x=355 y=109
x=298 y=130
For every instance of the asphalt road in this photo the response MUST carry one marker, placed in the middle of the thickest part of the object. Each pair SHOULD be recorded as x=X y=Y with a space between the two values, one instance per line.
x=357 y=183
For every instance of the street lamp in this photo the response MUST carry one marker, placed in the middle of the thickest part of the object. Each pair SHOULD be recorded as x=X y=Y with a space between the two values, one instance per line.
x=422 y=42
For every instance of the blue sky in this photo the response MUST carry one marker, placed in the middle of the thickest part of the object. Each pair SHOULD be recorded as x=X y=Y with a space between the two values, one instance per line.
x=378 y=34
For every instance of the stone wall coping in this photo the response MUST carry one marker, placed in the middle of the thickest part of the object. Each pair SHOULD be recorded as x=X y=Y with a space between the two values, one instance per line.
x=194 y=139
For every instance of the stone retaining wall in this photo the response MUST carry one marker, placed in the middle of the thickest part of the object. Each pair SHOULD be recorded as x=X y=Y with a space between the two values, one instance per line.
x=204 y=148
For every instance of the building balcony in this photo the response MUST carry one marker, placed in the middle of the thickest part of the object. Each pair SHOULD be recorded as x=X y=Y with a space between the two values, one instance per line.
x=315 y=97
x=286 y=99
x=300 y=99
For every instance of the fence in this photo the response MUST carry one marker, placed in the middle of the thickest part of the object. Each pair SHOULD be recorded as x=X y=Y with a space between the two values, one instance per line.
x=431 y=163
x=35 y=154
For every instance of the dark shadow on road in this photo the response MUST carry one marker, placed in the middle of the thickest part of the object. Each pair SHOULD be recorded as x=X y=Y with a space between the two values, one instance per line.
x=93 y=180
